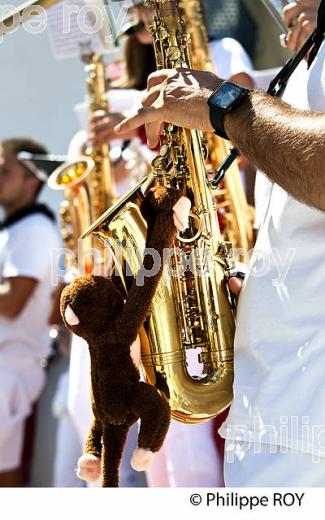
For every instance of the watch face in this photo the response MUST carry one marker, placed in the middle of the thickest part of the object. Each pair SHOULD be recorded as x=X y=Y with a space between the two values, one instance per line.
x=226 y=95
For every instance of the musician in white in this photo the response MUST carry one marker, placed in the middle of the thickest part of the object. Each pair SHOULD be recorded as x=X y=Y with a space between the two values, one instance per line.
x=27 y=240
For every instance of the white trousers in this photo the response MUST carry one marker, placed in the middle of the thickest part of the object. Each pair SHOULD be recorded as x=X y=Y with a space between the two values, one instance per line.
x=19 y=388
x=263 y=465
x=188 y=458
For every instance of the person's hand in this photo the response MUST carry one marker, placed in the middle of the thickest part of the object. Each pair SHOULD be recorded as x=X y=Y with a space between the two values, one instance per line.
x=174 y=96
x=102 y=125
x=235 y=285
x=301 y=18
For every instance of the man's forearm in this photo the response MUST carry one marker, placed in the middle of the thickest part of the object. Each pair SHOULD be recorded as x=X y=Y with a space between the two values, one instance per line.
x=286 y=144
x=14 y=295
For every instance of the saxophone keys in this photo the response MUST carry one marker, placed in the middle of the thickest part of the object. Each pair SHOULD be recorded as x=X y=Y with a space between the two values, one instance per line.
x=197 y=226
x=173 y=54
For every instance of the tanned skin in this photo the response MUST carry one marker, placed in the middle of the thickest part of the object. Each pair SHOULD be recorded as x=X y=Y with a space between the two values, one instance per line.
x=283 y=142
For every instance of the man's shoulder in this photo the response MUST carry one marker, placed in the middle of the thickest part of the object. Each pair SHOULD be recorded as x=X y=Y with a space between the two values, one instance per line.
x=35 y=227
x=34 y=220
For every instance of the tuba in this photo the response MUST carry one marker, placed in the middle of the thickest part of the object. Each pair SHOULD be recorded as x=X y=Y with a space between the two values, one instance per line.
x=236 y=216
x=87 y=183
x=191 y=312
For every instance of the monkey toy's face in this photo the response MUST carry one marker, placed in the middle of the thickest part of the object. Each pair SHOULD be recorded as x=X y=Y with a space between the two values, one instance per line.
x=89 y=303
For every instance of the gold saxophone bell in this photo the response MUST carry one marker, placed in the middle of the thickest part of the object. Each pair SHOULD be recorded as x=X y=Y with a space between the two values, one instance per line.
x=70 y=174
x=191 y=311
x=72 y=179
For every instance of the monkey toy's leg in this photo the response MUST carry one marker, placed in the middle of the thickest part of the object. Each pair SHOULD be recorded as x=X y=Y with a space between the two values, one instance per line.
x=89 y=465
x=93 y=444
x=154 y=413
x=114 y=438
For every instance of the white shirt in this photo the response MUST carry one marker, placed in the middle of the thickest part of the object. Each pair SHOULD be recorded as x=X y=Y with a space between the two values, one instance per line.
x=279 y=383
x=230 y=58
x=26 y=249
x=296 y=94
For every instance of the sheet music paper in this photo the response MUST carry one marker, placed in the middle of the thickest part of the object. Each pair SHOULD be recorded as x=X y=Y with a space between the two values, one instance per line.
x=73 y=23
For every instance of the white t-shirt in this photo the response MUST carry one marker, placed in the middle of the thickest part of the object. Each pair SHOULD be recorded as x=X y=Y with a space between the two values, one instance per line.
x=279 y=383
x=230 y=58
x=26 y=249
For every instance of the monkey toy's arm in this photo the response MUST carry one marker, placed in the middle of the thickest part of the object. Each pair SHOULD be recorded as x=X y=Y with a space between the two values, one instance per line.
x=139 y=299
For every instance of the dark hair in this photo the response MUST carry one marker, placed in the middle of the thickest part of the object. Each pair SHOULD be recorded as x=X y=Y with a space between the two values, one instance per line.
x=140 y=63
x=15 y=145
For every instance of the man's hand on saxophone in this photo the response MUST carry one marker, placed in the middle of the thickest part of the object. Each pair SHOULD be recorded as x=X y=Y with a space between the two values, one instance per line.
x=174 y=96
x=283 y=142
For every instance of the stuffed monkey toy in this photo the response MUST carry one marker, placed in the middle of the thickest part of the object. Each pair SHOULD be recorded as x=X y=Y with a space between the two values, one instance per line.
x=92 y=307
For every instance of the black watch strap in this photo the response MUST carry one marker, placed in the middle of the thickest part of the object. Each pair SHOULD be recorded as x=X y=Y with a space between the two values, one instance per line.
x=216 y=118
x=222 y=101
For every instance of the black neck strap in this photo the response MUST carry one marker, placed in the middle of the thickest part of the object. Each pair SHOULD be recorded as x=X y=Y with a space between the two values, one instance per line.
x=279 y=83
x=32 y=209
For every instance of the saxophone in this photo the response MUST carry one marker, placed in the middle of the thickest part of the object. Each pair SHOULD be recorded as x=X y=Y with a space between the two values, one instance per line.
x=191 y=310
x=87 y=183
x=234 y=212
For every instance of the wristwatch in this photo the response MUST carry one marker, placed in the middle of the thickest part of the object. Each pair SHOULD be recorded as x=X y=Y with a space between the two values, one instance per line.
x=222 y=101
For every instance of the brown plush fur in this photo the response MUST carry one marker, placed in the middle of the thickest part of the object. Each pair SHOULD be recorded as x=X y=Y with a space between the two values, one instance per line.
x=110 y=326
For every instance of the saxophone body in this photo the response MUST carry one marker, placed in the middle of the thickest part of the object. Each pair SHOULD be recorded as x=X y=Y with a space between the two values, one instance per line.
x=191 y=312
x=236 y=216
x=87 y=183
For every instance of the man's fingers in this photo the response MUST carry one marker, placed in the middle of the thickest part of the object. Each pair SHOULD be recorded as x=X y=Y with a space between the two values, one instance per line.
x=293 y=10
x=142 y=117
x=100 y=127
x=106 y=125
x=102 y=138
x=95 y=118
x=151 y=96
x=100 y=130
x=153 y=131
x=290 y=12
x=307 y=29
x=158 y=77
x=298 y=34
x=235 y=285
x=293 y=37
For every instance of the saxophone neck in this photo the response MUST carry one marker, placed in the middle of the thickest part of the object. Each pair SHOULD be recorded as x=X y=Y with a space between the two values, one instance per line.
x=200 y=48
x=102 y=175
x=96 y=84
x=170 y=38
